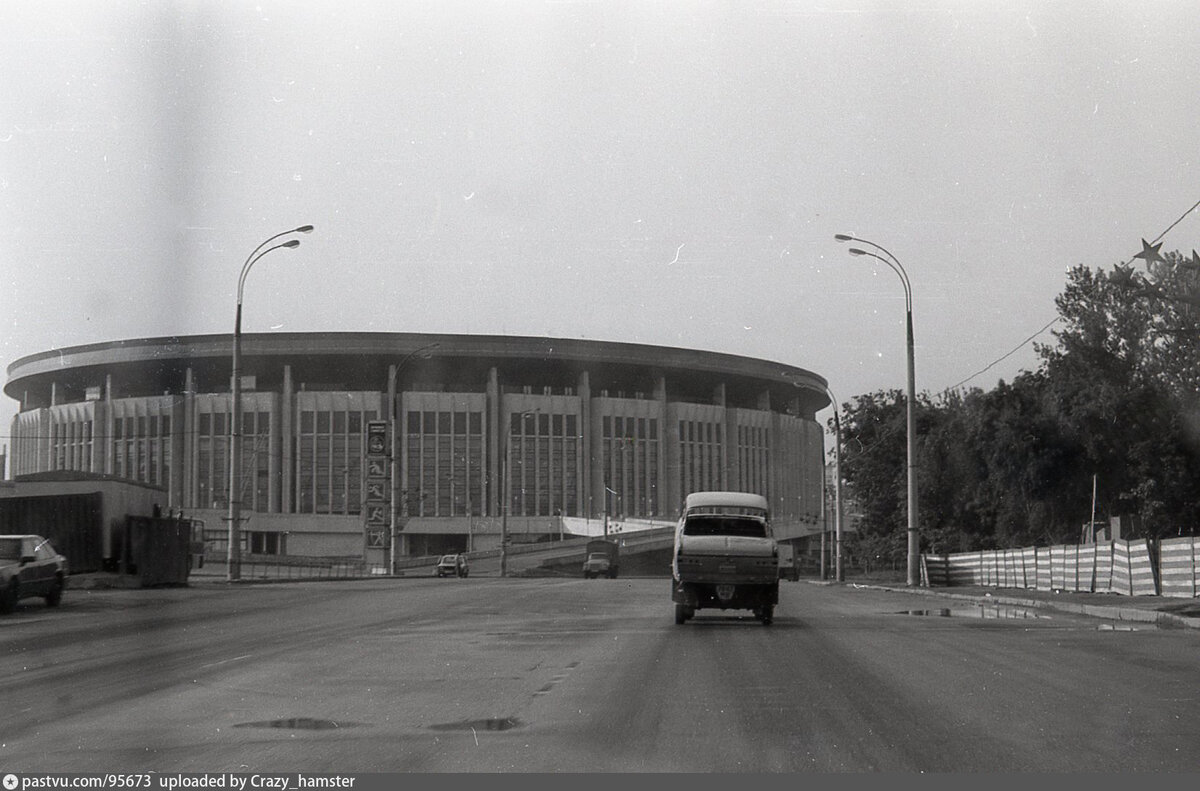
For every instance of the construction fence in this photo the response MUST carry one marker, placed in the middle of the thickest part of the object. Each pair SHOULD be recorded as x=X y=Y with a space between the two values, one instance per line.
x=1137 y=567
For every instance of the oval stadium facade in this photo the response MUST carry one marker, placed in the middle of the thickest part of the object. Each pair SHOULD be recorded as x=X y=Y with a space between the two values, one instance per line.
x=563 y=430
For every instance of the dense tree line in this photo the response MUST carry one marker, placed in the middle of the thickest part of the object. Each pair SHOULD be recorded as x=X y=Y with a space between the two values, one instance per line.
x=1115 y=401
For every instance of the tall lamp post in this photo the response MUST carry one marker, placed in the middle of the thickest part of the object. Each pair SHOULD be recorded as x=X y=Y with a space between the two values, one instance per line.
x=837 y=487
x=424 y=353
x=504 y=491
x=234 y=568
x=837 y=484
x=893 y=263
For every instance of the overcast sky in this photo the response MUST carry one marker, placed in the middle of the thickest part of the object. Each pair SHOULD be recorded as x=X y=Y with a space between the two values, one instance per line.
x=669 y=173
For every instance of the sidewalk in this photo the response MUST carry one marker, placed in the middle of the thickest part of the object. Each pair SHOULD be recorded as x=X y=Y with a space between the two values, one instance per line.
x=1161 y=611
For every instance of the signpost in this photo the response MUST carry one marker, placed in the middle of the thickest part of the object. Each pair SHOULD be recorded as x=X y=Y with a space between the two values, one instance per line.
x=376 y=514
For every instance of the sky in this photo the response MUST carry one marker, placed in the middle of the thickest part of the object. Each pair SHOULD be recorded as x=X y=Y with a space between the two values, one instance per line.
x=667 y=173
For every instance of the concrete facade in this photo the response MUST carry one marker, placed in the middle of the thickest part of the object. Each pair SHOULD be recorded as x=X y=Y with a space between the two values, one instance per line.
x=554 y=427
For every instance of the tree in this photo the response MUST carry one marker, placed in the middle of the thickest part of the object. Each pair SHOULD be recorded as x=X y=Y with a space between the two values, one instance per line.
x=1116 y=399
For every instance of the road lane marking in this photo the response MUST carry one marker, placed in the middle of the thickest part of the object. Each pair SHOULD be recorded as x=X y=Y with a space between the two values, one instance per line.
x=226 y=661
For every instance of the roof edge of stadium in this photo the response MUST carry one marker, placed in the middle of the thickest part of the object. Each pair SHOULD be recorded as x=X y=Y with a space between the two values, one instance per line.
x=390 y=343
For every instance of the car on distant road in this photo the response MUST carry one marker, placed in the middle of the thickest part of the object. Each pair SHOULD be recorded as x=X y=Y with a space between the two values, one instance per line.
x=452 y=566
x=30 y=567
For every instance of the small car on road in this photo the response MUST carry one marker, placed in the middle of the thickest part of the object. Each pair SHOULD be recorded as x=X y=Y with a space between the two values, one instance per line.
x=452 y=566
x=30 y=567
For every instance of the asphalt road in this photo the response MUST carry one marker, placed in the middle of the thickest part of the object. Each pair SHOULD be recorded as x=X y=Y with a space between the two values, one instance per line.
x=543 y=675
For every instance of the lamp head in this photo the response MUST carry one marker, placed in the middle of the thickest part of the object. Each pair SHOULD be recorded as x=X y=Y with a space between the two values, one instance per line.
x=304 y=229
x=856 y=251
x=841 y=237
x=293 y=243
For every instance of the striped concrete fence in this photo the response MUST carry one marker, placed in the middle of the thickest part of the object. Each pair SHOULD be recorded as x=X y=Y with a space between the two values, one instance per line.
x=965 y=569
x=1177 y=567
x=1125 y=567
x=1058 y=567
x=1042 y=569
x=1029 y=564
x=1085 y=567
x=1104 y=568
x=1132 y=568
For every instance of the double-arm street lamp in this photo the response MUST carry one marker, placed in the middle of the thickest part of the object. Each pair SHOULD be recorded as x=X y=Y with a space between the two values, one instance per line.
x=837 y=487
x=893 y=263
x=837 y=483
x=507 y=504
x=234 y=569
x=423 y=353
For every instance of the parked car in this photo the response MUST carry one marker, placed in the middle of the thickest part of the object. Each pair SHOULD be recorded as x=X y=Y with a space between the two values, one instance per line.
x=30 y=567
x=452 y=566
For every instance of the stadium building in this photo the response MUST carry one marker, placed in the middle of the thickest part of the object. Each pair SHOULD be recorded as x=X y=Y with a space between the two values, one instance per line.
x=570 y=431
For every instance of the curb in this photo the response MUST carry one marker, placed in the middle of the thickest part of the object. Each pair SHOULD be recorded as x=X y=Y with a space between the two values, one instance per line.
x=1130 y=614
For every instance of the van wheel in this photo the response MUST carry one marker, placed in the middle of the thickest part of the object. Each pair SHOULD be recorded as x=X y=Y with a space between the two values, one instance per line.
x=55 y=595
x=768 y=614
x=680 y=614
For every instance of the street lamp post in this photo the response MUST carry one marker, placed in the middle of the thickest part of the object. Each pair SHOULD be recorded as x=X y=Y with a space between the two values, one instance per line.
x=234 y=567
x=837 y=485
x=424 y=353
x=893 y=263
x=504 y=491
x=837 y=488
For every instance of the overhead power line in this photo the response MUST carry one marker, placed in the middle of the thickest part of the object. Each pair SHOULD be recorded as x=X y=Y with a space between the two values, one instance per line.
x=1021 y=345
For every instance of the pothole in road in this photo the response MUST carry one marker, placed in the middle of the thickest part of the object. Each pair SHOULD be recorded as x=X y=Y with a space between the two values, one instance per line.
x=299 y=724
x=491 y=724
x=979 y=612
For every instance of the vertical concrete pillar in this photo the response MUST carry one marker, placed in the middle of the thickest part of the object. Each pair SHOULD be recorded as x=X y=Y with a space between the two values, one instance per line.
x=493 y=430
x=663 y=498
x=109 y=426
x=586 y=491
x=727 y=476
x=187 y=459
x=287 y=439
x=175 y=472
x=274 y=454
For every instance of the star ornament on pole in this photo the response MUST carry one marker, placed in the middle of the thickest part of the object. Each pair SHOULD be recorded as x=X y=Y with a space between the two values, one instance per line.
x=1150 y=253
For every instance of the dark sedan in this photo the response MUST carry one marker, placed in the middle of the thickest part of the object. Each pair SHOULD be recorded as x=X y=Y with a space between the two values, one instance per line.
x=30 y=567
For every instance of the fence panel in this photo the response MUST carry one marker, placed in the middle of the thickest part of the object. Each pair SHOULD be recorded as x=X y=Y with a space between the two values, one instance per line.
x=1070 y=568
x=1029 y=567
x=1142 y=580
x=1104 y=568
x=1058 y=567
x=1045 y=580
x=1120 y=568
x=1085 y=579
x=963 y=568
x=935 y=571
x=1177 y=567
